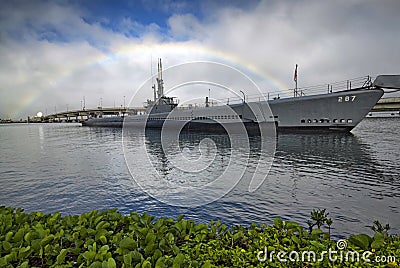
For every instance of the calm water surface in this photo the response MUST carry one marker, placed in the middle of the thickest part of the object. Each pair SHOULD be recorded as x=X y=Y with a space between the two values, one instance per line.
x=74 y=169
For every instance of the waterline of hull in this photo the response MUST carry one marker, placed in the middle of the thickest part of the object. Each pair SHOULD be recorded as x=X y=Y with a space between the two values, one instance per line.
x=335 y=112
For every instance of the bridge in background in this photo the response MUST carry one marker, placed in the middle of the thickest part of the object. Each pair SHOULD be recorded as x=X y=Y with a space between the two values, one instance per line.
x=82 y=115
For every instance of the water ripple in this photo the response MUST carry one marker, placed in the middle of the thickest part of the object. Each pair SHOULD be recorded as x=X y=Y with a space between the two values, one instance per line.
x=73 y=169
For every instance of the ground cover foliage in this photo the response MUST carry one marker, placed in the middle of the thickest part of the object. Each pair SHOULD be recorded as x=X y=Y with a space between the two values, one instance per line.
x=110 y=239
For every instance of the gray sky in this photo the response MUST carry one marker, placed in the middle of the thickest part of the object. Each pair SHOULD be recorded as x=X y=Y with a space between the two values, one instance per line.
x=54 y=53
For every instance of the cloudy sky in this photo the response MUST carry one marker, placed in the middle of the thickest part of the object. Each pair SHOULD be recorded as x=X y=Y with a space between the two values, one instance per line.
x=52 y=53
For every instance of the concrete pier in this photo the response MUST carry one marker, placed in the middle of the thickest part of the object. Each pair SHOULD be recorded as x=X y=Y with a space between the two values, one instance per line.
x=387 y=105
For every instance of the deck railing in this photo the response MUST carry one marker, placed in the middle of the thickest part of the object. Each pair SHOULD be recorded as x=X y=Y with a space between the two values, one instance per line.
x=358 y=82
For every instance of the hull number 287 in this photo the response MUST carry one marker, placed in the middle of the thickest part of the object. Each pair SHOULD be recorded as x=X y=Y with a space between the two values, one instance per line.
x=346 y=98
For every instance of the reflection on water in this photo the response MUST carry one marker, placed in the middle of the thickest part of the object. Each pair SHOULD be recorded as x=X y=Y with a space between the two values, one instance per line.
x=193 y=169
x=204 y=156
x=72 y=169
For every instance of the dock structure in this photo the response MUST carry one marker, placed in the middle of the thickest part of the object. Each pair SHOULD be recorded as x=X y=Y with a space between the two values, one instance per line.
x=387 y=105
x=82 y=115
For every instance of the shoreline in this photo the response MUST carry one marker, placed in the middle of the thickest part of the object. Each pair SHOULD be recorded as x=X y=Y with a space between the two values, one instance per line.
x=110 y=239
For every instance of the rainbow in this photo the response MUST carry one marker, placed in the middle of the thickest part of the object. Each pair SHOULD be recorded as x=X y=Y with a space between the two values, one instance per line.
x=143 y=52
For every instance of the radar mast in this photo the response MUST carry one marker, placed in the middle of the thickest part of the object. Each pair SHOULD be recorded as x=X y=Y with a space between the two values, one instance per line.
x=160 y=82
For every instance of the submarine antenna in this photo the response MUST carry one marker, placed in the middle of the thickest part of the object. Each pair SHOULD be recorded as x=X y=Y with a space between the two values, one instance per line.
x=153 y=86
x=160 y=82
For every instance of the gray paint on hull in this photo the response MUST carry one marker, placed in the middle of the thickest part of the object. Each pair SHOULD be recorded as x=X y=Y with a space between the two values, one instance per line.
x=339 y=111
x=352 y=104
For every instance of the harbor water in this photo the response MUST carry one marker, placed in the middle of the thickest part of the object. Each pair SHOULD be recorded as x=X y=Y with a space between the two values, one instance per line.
x=74 y=169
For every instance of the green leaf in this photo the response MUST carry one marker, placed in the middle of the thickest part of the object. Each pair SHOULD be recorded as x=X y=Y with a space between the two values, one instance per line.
x=96 y=264
x=157 y=254
x=39 y=214
x=292 y=225
x=25 y=264
x=3 y=262
x=170 y=238
x=162 y=245
x=104 y=248
x=178 y=260
x=24 y=252
x=207 y=264
x=19 y=235
x=136 y=256
x=7 y=246
x=12 y=257
x=111 y=263
x=61 y=256
x=146 y=264
x=362 y=241
x=36 y=244
x=45 y=241
x=377 y=244
x=379 y=236
x=89 y=255
x=317 y=244
x=317 y=231
x=296 y=240
x=128 y=243
x=40 y=231
x=149 y=249
x=278 y=223
x=9 y=235
x=128 y=259
x=103 y=239
x=379 y=241
x=160 y=263
x=158 y=223
x=200 y=227
x=135 y=216
x=24 y=249
x=175 y=249
x=150 y=237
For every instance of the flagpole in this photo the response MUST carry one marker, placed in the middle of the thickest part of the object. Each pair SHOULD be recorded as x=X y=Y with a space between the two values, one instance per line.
x=295 y=80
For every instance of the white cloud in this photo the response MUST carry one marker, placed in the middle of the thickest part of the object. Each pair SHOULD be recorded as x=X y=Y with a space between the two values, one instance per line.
x=335 y=40
x=186 y=26
x=131 y=27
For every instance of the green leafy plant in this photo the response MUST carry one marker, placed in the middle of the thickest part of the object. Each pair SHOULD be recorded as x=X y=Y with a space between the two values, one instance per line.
x=109 y=239
x=318 y=218
x=379 y=228
x=329 y=222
